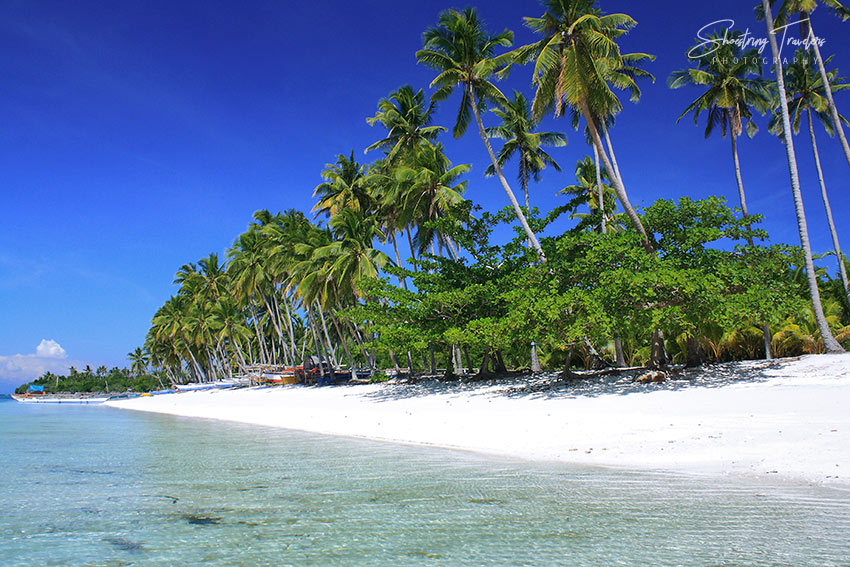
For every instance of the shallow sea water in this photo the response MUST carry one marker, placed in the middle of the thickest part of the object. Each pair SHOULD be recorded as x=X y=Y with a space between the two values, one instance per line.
x=99 y=486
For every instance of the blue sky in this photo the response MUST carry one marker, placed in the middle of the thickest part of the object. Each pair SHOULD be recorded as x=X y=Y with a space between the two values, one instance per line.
x=138 y=136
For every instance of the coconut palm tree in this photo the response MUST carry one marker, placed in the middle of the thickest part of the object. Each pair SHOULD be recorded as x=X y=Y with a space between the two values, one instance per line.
x=829 y=342
x=407 y=120
x=517 y=129
x=593 y=188
x=463 y=53
x=575 y=61
x=733 y=89
x=806 y=93
x=342 y=187
x=139 y=359
x=429 y=186
x=804 y=9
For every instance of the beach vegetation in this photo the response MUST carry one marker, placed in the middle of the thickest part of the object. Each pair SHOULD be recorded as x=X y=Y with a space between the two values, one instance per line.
x=398 y=273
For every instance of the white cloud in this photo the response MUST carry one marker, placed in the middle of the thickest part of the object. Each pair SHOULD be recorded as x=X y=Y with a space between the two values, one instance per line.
x=48 y=348
x=17 y=369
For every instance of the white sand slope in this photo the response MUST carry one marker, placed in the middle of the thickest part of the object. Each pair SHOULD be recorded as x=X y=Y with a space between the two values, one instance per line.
x=790 y=419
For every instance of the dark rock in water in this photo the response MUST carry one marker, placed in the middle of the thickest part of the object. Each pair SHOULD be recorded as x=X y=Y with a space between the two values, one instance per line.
x=199 y=520
x=124 y=544
x=652 y=377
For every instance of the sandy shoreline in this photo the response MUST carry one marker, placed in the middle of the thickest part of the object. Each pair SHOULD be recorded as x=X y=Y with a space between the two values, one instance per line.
x=789 y=420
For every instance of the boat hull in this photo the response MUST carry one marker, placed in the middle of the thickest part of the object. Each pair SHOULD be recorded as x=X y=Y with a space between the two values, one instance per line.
x=57 y=400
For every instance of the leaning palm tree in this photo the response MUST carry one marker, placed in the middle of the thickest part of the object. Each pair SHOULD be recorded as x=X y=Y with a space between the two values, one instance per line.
x=806 y=91
x=575 y=60
x=407 y=120
x=463 y=53
x=805 y=8
x=517 y=129
x=829 y=342
x=733 y=87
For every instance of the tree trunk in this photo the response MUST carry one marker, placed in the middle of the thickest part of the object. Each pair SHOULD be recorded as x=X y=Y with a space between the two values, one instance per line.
x=838 y=255
x=412 y=251
x=535 y=360
x=618 y=351
x=618 y=187
x=611 y=152
x=485 y=364
x=602 y=227
x=401 y=280
x=467 y=359
x=500 y=367
x=696 y=355
x=457 y=365
x=833 y=110
x=738 y=178
x=568 y=365
x=344 y=342
x=658 y=355
x=829 y=342
x=317 y=343
x=768 y=350
x=768 y=346
x=291 y=332
x=520 y=216
x=334 y=361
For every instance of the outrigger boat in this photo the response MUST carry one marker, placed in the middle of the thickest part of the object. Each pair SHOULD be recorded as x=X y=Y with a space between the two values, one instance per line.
x=35 y=395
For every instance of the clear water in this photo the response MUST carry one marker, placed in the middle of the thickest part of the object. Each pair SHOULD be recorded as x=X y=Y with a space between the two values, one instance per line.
x=98 y=486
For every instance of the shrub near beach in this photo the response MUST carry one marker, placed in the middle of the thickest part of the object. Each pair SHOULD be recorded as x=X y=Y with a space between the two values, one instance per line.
x=398 y=270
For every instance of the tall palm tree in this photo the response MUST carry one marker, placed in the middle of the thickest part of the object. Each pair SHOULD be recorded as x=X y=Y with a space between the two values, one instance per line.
x=806 y=91
x=805 y=8
x=733 y=89
x=574 y=62
x=407 y=120
x=463 y=53
x=139 y=359
x=342 y=187
x=350 y=257
x=429 y=187
x=829 y=342
x=593 y=188
x=517 y=129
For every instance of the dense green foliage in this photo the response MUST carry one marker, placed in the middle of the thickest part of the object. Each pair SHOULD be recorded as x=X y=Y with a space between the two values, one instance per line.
x=115 y=381
x=680 y=281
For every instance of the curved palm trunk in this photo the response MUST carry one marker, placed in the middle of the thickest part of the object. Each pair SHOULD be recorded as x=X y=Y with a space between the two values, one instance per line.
x=412 y=251
x=741 y=195
x=522 y=220
x=603 y=227
x=291 y=332
x=615 y=180
x=841 y=269
x=618 y=352
x=401 y=280
x=829 y=342
x=611 y=153
x=833 y=110
x=765 y=329
x=344 y=344
x=327 y=335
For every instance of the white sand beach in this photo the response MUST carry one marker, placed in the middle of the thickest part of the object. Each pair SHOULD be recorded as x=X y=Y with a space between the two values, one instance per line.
x=786 y=419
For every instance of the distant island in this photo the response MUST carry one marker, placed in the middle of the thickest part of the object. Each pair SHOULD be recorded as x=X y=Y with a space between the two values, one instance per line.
x=90 y=381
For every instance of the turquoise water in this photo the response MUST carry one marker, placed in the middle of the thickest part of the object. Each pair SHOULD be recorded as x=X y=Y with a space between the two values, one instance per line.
x=98 y=486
